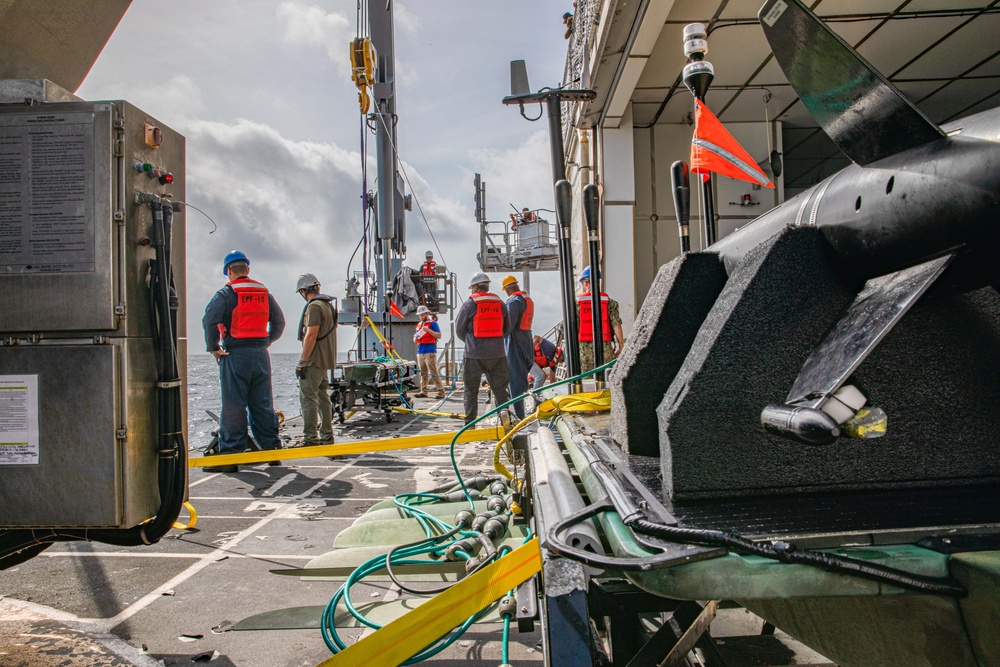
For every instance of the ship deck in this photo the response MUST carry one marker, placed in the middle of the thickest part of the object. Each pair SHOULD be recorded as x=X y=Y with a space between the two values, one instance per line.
x=177 y=602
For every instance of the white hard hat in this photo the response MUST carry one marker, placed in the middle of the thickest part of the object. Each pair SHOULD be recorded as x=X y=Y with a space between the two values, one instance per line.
x=479 y=278
x=306 y=280
x=422 y=309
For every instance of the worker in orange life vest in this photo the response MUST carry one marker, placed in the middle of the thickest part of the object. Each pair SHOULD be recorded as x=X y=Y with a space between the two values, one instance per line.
x=518 y=342
x=481 y=324
x=610 y=319
x=547 y=357
x=429 y=267
x=240 y=322
x=426 y=337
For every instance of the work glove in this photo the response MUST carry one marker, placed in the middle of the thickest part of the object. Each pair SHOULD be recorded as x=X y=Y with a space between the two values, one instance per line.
x=300 y=370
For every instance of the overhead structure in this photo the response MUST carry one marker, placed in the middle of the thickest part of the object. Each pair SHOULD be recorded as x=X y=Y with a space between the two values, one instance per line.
x=57 y=40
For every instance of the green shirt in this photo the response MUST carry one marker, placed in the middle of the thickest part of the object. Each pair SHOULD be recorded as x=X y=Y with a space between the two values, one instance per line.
x=324 y=354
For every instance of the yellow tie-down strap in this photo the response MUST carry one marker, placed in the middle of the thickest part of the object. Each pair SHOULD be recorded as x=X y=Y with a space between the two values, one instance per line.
x=587 y=401
x=403 y=638
x=363 y=447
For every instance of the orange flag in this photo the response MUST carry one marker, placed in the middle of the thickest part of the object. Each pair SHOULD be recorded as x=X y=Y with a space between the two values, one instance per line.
x=394 y=309
x=713 y=149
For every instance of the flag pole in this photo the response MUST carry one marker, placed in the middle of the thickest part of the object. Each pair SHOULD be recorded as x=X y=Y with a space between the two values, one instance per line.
x=698 y=75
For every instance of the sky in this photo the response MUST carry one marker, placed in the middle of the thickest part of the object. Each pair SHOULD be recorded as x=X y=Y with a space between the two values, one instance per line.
x=262 y=92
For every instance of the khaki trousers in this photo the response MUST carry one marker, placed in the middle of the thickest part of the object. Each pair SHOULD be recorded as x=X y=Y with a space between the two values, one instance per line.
x=428 y=365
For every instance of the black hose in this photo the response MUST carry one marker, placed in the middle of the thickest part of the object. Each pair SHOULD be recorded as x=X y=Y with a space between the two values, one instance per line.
x=787 y=553
x=426 y=540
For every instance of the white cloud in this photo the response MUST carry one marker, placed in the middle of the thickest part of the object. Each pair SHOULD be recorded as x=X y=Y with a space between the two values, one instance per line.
x=313 y=26
x=521 y=175
x=175 y=100
x=292 y=206
x=405 y=19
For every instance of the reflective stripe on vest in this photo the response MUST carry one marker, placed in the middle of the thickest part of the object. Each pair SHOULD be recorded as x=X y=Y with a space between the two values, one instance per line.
x=427 y=338
x=488 y=320
x=529 y=310
x=250 y=316
x=586 y=318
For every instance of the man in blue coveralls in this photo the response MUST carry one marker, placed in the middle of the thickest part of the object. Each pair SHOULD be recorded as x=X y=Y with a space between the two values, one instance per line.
x=240 y=322
x=518 y=343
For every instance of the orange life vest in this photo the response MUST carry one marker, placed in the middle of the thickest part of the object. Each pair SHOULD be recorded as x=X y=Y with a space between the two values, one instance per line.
x=586 y=334
x=428 y=268
x=545 y=362
x=488 y=320
x=529 y=310
x=251 y=313
x=427 y=337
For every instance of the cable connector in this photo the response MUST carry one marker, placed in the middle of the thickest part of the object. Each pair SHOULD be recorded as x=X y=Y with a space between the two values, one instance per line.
x=496 y=527
x=496 y=503
x=466 y=546
x=481 y=520
x=508 y=607
x=464 y=518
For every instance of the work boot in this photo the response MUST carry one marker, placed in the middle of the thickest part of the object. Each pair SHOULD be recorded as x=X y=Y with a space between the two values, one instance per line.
x=420 y=394
x=231 y=468
x=441 y=394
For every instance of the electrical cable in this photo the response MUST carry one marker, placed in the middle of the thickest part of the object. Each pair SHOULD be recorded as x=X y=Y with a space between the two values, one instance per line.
x=403 y=555
x=454 y=440
x=788 y=553
x=214 y=225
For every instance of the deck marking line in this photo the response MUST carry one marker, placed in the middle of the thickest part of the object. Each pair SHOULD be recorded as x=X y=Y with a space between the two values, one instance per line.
x=106 y=624
x=279 y=484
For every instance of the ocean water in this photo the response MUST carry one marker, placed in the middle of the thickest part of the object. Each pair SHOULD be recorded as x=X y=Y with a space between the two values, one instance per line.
x=203 y=392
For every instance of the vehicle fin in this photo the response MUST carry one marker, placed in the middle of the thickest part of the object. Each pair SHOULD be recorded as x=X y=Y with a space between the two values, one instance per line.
x=866 y=116
x=872 y=314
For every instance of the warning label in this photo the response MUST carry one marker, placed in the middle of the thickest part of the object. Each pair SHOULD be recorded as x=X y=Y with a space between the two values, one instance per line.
x=18 y=419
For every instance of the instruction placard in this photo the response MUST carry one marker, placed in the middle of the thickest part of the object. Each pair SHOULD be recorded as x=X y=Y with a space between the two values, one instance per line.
x=47 y=192
x=18 y=419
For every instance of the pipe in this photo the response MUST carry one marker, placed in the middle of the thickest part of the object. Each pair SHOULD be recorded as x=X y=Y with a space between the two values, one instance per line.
x=590 y=202
x=564 y=208
x=555 y=493
x=680 y=181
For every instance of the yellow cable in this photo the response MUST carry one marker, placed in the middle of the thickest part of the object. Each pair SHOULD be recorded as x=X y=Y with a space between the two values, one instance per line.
x=498 y=465
x=404 y=637
x=192 y=518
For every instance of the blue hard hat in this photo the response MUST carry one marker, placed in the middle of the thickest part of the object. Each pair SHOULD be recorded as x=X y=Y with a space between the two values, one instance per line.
x=586 y=274
x=233 y=256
